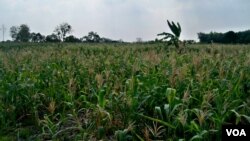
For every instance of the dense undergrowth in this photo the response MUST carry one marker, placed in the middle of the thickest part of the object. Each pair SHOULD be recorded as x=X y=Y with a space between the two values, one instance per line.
x=122 y=91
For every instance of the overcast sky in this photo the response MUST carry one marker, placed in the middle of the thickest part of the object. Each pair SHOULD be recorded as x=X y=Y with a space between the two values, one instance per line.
x=127 y=19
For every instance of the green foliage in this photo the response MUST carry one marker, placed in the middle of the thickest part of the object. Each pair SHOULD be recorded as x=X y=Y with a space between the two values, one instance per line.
x=20 y=33
x=72 y=39
x=37 y=37
x=52 y=38
x=172 y=38
x=62 y=30
x=121 y=91
x=92 y=37
x=229 y=37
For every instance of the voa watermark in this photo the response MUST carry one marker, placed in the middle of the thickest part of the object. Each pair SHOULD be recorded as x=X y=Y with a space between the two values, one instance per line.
x=241 y=132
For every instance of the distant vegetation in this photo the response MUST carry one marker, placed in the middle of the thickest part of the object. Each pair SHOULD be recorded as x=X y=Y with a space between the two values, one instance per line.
x=229 y=37
x=62 y=32
x=22 y=34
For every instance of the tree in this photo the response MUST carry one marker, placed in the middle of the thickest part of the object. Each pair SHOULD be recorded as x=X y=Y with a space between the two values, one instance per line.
x=37 y=37
x=72 y=39
x=230 y=37
x=203 y=37
x=20 y=33
x=243 y=37
x=62 y=30
x=14 y=32
x=52 y=38
x=226 y=38
x=24 y=33
x=172 y=38
x=92 y=37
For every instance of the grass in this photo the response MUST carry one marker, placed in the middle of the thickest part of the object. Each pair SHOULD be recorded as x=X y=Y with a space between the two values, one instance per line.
x=122 y=91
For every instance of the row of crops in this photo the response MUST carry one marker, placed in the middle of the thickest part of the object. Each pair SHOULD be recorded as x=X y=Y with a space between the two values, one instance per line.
x=122 y=91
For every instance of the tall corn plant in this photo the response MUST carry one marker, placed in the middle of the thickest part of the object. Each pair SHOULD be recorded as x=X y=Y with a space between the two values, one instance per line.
x=172 y=38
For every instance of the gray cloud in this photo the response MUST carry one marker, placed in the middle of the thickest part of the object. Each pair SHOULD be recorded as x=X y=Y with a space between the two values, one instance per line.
x=127 y=19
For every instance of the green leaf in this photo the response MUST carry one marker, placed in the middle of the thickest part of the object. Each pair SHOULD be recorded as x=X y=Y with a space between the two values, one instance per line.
x=100 y=132
x=194 y=126
x=199 y=136
x=247 y=118
x=101 y=99
x=158 y=111
x=120 y=135
x=171 y=27
x=238 y=116
x=179 y=27
x=140 y=138
x=174 y=29
x=167 y=109
x=158 y=120
x=170 y=93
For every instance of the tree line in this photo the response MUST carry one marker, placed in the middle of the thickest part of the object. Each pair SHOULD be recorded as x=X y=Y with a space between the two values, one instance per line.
x=230 y=37
x=60 y=34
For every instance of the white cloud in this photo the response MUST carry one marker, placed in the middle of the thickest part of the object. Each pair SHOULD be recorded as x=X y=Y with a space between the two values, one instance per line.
x=127 y=19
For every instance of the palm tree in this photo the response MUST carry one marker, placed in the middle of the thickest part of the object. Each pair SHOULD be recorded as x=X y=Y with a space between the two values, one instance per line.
x=172 y=38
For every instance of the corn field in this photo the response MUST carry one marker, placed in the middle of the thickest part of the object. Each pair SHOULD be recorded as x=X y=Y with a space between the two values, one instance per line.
x=122 y=92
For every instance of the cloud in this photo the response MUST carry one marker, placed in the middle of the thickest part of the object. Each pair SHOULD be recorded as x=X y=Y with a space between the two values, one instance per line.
x=215 y=15
x=127 y=19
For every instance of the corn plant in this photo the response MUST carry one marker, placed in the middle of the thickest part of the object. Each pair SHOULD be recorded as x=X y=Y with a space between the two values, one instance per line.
x=122 y=91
